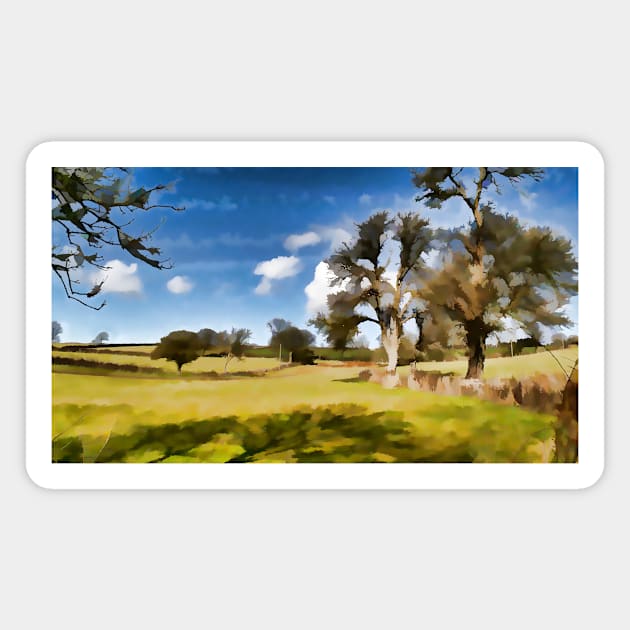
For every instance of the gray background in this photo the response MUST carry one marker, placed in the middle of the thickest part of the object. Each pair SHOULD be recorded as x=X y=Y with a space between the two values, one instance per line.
x=325 y=70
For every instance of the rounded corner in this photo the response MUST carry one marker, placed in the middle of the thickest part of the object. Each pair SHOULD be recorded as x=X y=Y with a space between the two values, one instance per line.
x=37 y=150
x=593 y=477
x=592 y=152
x=35 y=478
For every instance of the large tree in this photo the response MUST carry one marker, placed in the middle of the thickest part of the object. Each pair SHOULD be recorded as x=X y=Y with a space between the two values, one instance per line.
x=471 y=187
x=376 y=278
x=92 y=208
x=525 y=279
x=179 y=346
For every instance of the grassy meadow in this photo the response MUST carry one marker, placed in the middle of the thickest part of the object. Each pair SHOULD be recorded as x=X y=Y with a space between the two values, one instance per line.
x=541 y=362
x=264 y=412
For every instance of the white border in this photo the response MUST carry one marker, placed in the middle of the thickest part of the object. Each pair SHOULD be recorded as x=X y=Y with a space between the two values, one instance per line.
x=315 y=476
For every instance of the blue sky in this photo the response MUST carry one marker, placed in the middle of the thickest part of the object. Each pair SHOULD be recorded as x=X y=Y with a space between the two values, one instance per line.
x=248 y=245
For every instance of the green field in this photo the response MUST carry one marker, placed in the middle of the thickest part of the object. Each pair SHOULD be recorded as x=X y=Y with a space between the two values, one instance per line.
x=541 y=362
x=299 y=413
x=203 y=364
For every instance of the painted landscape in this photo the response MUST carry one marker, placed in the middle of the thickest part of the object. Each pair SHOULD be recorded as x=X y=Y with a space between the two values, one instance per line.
x=287 y=315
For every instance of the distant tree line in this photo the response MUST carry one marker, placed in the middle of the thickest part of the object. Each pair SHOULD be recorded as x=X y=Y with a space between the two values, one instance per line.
x=57 y=329
x=184 y=346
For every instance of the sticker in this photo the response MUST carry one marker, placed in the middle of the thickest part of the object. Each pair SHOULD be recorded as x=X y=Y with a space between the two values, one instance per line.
x=343 y=314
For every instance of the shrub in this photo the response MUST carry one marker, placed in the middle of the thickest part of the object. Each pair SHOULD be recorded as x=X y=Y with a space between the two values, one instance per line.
x=305 y=356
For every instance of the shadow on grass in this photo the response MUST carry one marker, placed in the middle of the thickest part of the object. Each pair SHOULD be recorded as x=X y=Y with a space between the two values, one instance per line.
x=336 y=433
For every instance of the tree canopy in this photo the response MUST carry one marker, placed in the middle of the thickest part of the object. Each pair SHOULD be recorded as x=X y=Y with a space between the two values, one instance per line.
x=101 y=337
x=213 y=341
x=289 y=338
x=528 y=275
x=93 y=207
x=179 y=346
x=292 y=338
x=439 y=185
x=277 y=324
x=231 y=345
x=377 y=280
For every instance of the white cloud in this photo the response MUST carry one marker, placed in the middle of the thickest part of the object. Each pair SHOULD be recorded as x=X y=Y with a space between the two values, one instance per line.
x=118 y=278
x=331 y=199
x=263 y=287
x=365 y=199
x=294 y=242
x=320 y=287
x=275 y=269
x=179 y=284
x=278 y=267
x=335 y=236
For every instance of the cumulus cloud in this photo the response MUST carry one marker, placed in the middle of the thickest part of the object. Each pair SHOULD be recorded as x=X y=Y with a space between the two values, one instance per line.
x=263 y=287
x=118 y=278
x=294 y=242
x=365 y=199
x=179 y=284
x=275 y=269
x=331 y=199
x=320 y=287
x=335 y=236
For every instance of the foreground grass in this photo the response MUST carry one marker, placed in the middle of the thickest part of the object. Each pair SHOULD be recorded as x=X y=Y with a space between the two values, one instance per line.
x=304 y=413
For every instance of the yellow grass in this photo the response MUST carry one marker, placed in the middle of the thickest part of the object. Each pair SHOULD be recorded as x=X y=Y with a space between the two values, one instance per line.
x=127 y=408
x=203 y=364
x=124 y=349
x=541 y=362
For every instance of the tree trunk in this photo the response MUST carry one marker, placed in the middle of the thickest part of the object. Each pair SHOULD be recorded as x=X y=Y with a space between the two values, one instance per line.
x=179 y=369
x=228 y=358
x=390 y=342
x=476 y=342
